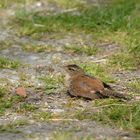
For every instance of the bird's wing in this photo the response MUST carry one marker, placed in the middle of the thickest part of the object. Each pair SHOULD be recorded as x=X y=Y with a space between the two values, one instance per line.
x=105 y=84
x=87 y=87
x=93 y=83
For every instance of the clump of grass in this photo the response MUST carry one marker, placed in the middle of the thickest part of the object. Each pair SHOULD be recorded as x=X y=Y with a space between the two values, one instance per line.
x=89 y=50
x=53 y=83
x=8 y=63
x=6 y=100
x=43 y=116
x=98 y=71
x=25 y=107
x=62 y=136
x=133 y=45
x=124 y=61
x=69 y=135
x=68 y=4
x=6 y=3
x=113 y=112
x=2 y=91
x=5 y=44
x=38 y=48
x=135 y=85
x=3 y=104
x=18 y=123
x=13 y=127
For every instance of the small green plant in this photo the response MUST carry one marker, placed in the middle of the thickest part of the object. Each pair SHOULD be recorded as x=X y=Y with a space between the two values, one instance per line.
x=43 y=116
x=52 y=83
x=8 y=63
x=89 y=50
x=27 y=107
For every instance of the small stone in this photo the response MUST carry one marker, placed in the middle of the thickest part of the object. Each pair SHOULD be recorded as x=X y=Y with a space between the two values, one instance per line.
x=21 y=91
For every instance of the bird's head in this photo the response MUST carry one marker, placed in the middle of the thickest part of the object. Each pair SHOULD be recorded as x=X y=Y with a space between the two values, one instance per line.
x=74 y=70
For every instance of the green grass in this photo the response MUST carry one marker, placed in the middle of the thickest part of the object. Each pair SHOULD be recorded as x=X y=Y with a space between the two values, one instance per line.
x=16 y=3
x=7 y=100
x=5 y=44
x=7 y=63
x=68 y=4
x=124 y=61
x=13 y=127
x=118 y=16
x=135 y=85
x=116 y=113
x=7 y=3
x=133 y=45
x=53 y=83
x=26 y=107
x=43 y=116
x=93 y=19
x=38 y=48
x=3 y=103
x=61 y=3
x=99 y=71
x=70 y=136
x=14 y=102
x=117 y=22
x=89 y=50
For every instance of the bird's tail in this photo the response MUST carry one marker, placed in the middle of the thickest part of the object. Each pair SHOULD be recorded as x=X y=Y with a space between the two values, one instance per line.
x=113 y=94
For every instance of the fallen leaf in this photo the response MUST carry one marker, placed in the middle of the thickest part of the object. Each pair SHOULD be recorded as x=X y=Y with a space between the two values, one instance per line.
x=21 y=91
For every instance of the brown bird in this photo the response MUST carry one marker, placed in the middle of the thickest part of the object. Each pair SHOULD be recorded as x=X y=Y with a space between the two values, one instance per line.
x=83 y=85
